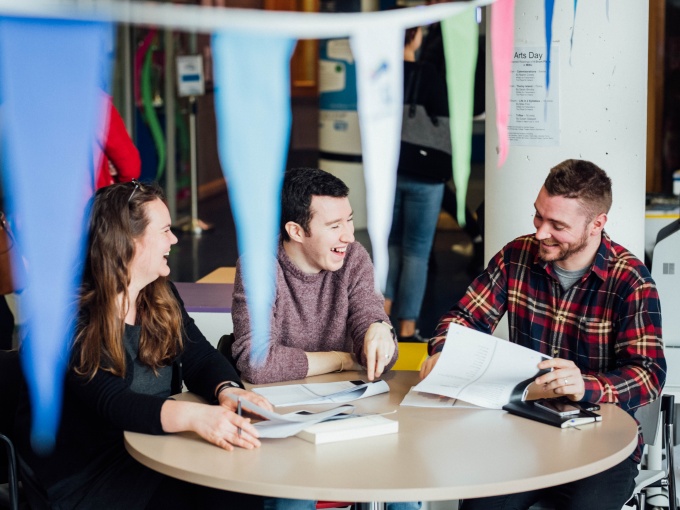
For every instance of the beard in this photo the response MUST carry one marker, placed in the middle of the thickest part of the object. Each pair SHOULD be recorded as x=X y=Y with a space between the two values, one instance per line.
x=565 y=251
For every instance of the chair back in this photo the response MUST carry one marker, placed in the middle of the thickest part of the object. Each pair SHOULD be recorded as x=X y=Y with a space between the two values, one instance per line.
x=224 y=345
x=648 y=416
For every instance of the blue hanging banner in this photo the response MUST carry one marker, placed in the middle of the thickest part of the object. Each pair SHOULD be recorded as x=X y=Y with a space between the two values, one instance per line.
x=573 y=29
x=549 y=9
x=252 y=103
x=51 y=76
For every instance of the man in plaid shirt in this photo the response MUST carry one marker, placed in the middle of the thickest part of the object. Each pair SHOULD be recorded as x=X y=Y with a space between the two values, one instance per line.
x=574 y=294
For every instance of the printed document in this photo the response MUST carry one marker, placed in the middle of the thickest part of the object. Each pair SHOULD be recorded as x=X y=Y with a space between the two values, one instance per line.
x=478 y=369
x=275 y=425
x=321 y=393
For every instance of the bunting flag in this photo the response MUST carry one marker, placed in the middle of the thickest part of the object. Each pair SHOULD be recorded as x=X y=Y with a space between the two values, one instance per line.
x=502 y=47
x=549 y=9
x=252 y=103
x=379 y=55
x=573 y=29
x=51 y=75
x=461 y=38
x=49 y=134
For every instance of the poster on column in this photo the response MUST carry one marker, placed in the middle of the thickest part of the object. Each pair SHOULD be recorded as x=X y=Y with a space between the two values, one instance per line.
x=534 y=111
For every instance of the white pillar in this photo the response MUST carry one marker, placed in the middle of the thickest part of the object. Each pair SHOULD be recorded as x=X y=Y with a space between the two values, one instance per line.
x=602 y=97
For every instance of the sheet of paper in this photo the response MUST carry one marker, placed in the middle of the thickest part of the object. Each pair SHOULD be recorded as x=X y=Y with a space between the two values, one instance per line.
x=421 y=399
x=275 y=425
x=321 y=393
x=479 y=368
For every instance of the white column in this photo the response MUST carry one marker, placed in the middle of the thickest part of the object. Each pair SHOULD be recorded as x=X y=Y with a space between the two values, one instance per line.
x=603 y=114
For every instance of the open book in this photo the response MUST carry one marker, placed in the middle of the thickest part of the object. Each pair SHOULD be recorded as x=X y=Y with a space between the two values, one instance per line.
x=480 y=370
x=321 y=393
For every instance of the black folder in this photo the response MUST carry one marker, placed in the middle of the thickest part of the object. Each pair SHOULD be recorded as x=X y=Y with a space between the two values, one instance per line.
x=527 y=409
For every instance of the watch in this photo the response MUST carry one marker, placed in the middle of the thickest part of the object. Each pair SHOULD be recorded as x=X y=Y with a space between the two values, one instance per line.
x=223 y=386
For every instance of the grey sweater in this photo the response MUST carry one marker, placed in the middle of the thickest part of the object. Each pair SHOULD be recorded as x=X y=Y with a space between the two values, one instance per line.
x=328 y=311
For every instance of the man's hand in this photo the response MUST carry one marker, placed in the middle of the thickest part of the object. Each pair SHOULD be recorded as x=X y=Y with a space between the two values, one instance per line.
x=379 y=349
x=428 y=365
x=564 y=379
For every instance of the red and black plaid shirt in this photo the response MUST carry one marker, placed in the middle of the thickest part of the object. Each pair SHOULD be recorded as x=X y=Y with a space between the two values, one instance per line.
x=608 y=323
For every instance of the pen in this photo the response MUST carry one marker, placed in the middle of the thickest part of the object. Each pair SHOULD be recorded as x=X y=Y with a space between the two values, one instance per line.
x=238 y=410
x=591 y=414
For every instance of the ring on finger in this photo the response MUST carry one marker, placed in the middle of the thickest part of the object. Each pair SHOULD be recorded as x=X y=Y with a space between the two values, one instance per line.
x=566 y=382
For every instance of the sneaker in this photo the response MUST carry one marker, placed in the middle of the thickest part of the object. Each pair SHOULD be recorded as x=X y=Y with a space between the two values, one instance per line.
x=415 y=337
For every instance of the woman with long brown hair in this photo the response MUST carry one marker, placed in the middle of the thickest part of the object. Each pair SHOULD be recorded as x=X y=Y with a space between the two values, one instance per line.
x=134 y=346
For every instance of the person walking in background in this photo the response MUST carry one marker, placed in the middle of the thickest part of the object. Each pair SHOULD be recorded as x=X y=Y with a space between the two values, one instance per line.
x=417 y=202
x=432 y=51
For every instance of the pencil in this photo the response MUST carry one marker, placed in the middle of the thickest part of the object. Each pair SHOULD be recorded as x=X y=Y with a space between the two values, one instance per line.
x=238 y=410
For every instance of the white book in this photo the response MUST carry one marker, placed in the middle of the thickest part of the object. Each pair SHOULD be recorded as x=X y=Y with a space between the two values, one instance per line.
x=349 y=428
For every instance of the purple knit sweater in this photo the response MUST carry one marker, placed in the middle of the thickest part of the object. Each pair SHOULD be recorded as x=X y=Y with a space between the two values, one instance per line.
x=328 y=311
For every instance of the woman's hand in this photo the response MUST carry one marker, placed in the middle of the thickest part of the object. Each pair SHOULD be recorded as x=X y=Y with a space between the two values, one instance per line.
x=216 y=424
x=226 y=429
x=232 y=404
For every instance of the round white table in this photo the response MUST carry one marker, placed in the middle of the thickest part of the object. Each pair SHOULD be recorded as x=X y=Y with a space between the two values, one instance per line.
x=438 y=454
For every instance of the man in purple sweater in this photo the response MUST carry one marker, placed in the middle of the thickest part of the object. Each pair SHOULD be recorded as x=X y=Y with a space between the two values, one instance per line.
x=327 y=316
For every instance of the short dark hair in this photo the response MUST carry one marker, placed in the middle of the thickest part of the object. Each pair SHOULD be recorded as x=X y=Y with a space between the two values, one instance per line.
x=584 y=181
x=299 y=186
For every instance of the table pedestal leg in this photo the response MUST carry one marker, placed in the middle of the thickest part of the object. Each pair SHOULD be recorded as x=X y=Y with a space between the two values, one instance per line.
x=373 y=505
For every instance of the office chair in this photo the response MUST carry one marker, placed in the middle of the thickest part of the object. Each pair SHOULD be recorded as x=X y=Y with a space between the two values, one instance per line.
x=10 y=373
x=9 y=492
x=653 y=475
x=22 y=489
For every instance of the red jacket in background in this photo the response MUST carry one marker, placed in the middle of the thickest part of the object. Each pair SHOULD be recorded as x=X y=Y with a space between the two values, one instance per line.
x=119 y=153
